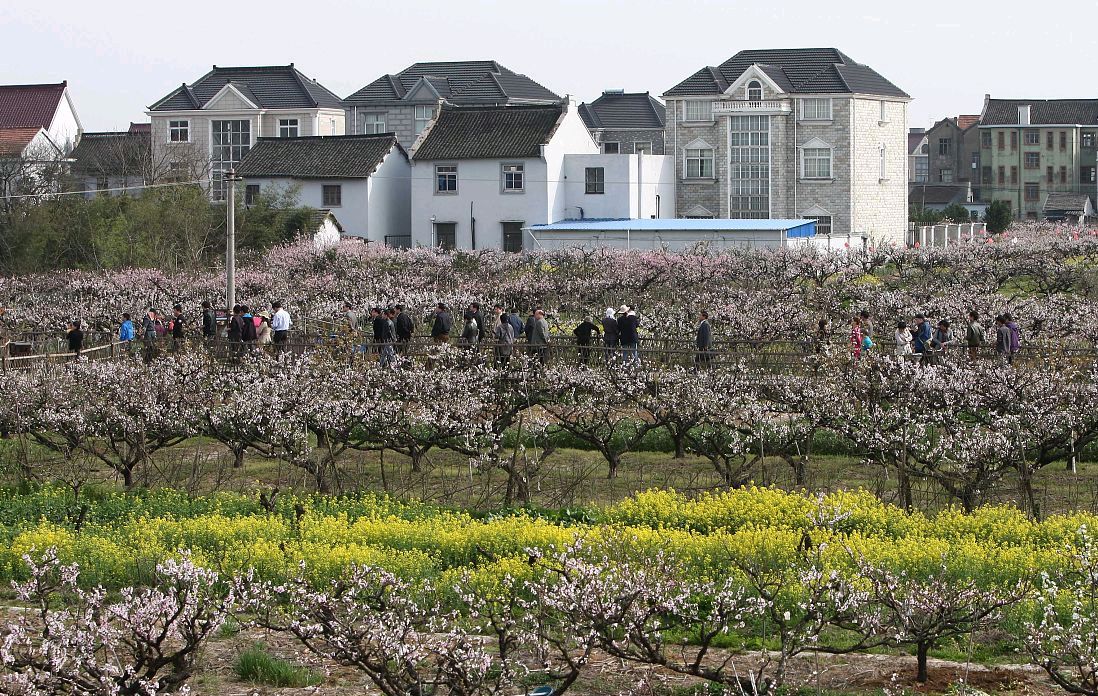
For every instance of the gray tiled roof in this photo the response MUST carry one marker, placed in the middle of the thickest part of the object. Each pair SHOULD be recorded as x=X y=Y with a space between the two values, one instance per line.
x=269 y=87
x=1067 y=202
x=794 y=70
x=620 y=110
x=463 y=82
x=489 y=132
x=318 y=157
x=1004 y=112
x=124 y=153
x=938 y=194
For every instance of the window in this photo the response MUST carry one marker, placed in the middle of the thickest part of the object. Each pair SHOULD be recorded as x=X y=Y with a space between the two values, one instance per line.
x=446 y=178
x=1063 y=175
x=102 y=183
x=373 y=123
x=287 y=128
x=925 y=148
x=1002 y=175
x=251 y=192
x=643 y=147
x=594 y=180
x=230 y=141
x=423 y=116
x=1013 y=140
x=974 y=215
x=816 y=163
x=884 y=111
x=754 y=91
x=1048 y=139
x=446 y=235
x=975 y=161
x=1087 y=174
x=1033 y=137
x=694 y=110
x=611 y=148
x=945 y=146
x=1063 y=140
x=1033 y=192
x=1048 y=174
x=884 y=165
x=1014 y=174
x=816 y=109
x=1088 y=140
x=331 y=195
x=1002 y=140
x=945 y=176
x=513 y=178
x=179 y=131
x=699 y=163
x=1033 y=160
x=986 y=175
x=512 y=237
x=985 y=139
x=823 y=223
x=922 y=169
x=749 y=167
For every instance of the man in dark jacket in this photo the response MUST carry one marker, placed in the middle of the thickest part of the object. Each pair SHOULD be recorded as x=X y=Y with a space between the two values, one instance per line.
x=703 y=342
x=610 y=332
x=209 y=321
x=75 y=337
x=177 y=327
x=922 y=334
x=516 y=323
x=474 y=309
x=442 y=324
x=379 y=326
x=584 y=334
x=629 y=335
x=404 y=328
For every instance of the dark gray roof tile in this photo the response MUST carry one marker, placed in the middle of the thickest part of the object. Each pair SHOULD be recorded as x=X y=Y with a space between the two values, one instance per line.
x=318 y=157
x=467 y=82
x=1004 y=112
x=483 y=132
x=270 y=87
x=614 y=110
x=124 y=153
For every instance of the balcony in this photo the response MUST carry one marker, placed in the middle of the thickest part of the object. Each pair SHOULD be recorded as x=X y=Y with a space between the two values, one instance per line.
x=741 y=108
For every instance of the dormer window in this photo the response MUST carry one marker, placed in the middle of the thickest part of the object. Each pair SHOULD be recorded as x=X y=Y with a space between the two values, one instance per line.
x=754 y=91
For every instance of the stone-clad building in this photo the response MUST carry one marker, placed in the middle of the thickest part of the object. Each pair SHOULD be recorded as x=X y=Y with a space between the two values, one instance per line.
x=625 y=123
x=792 y=133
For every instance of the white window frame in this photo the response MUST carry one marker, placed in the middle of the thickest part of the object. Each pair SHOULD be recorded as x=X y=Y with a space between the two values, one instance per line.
x=706 y=111
x=615 y=143
x=816 y=102
x=449 y=166
x=371 y=127
x=423 y=115
x=811 y=151
x=751 y=86
x=286 y=126
x=175 y=127
x=701 y=158
x=826 y=229
x=883 y=116
x=516 y=170
x=883 y=153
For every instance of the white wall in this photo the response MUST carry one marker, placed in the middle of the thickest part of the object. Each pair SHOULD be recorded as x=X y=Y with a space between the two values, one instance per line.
x=353 y=214
x=671 y=240
x=632 y=184
x=65 y=129
x=390 y=194
x=480 y=183
x=571 y=137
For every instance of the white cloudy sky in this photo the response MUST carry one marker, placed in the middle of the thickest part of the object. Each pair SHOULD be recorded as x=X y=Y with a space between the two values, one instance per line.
x=120 y=56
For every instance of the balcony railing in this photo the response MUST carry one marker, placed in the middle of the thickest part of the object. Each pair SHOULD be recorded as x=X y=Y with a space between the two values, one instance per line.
x=752 y=107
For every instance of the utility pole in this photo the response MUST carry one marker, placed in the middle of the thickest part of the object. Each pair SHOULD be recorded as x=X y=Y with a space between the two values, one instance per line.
x=230 y=179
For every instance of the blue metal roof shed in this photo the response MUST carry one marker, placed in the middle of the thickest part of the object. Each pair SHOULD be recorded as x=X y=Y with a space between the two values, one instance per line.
x=665 y=232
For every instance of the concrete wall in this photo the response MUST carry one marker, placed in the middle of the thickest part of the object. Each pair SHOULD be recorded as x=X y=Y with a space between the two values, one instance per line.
x=65 y=128
x=632 y=184
x=879 y=204
x=352 y=214
x=398 y=119
x=628 y=138
x=390 y=193
x=571 y=137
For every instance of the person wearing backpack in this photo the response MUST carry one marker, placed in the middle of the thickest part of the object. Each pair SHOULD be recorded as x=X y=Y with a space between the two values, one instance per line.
x=974 y=335
x=248 y=333
x=151 y=329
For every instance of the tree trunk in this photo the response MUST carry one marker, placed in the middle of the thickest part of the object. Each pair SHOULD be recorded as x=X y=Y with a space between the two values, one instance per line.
x=613 y=459
x=127 y=476
x=921 y=650
x=679 y=438
x=1027 y=499
x=238 y=457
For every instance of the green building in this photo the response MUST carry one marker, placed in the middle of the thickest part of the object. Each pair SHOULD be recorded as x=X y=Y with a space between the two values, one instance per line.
x=1031 y=148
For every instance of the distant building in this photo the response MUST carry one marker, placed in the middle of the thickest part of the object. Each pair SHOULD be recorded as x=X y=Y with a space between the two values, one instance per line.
x=202 y=130
x=940 y=196
x=1031 y=148
x=1069 y=207
x=954 y=152
x=362 y=180
x=47 y=106
x=792 y=133
x=113 y=163
x=625 y=122
x=918 y=150
x=406 y=102
x=30 y=162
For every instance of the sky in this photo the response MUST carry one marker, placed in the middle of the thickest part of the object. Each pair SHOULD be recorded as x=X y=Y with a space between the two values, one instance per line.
x=119 y=57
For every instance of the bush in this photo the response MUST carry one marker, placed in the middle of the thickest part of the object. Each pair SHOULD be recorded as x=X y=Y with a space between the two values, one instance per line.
x=998 y=217
x=258 y=666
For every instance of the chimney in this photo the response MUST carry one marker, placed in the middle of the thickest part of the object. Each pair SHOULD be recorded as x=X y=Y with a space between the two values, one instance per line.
x=1023 y=115
x=613 y=92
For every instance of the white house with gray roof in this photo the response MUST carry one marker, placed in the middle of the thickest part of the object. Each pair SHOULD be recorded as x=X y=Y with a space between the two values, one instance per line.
x=405 y=102
x=204 y=129
x=362 y=180
x=792 y=133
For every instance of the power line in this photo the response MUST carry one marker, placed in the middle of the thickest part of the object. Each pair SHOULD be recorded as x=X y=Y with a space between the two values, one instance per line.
x=106 y=190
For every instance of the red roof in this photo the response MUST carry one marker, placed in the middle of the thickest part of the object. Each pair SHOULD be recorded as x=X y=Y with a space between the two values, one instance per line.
x=14 y=140
x=29 y=106
x=965 y=121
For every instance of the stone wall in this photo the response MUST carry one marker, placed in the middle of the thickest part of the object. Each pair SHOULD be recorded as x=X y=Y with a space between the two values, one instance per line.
x=628 y=139
x=880 y=204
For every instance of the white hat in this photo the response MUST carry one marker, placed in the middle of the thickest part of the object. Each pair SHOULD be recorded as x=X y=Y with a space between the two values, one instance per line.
x=624 y=309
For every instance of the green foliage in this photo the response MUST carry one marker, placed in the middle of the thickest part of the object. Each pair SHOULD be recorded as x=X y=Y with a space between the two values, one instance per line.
x=998 y=217
x=258 y=666
x=922 y=215
x=956 y=213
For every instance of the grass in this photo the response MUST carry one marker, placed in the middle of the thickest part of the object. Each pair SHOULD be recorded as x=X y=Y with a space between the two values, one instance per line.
x=258 y=666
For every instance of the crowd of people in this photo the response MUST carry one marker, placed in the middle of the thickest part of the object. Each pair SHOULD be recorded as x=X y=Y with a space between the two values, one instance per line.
x=928 y=342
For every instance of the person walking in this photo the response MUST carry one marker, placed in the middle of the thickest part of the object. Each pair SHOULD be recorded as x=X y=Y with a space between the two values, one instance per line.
x=442 y=325
x=280 y=325
x=922 y=335
x=585 y=334
x=209 y=322
x=1002 y=340
x=610 y=332
x=150 y=334
x=248 y=332
x=233 y=333
x=377 y=329
x=387 y=354
x=126 y=333
x=350 y=318
x=515 y=321
x=75 y=338
x=503 y=336
x=629 y=334
x=470 y=333
x=404 y=328
x=478 y=316
x=903 y=340
x=856 y=337
x=538 y=337
x=176 y=327
x=263 y=335
x=974 y=335
x=703 y=343
x=1015 y=335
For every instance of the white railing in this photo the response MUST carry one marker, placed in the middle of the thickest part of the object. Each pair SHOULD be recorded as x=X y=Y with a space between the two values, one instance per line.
x=944 y=235
x=752 y=107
